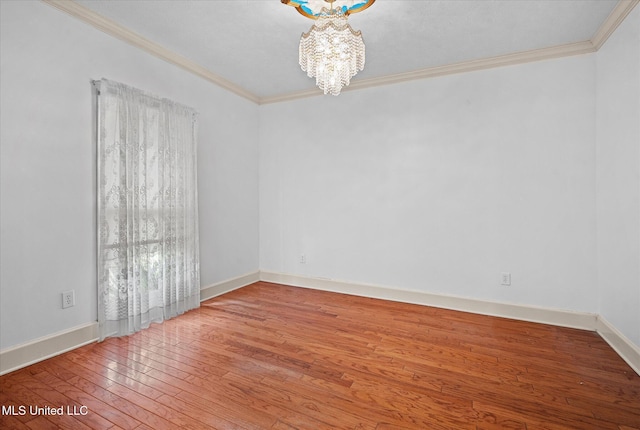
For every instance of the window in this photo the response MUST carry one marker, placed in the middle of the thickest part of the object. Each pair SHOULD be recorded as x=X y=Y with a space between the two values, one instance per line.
x=148 y=256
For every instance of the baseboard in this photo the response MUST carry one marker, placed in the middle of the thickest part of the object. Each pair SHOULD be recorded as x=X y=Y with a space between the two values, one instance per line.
x=557 y=317
x=626 y=349
x=45 y=347
x=219 y=288
x=49 y=346
x=620 y=343
x=23 y=355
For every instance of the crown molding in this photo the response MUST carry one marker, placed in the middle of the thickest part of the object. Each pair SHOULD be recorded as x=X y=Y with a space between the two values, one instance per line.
x=450 y=69
x=116 y=30
x=615 y=18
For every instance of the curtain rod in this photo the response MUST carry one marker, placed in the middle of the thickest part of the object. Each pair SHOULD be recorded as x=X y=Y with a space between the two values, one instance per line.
x=96 y=84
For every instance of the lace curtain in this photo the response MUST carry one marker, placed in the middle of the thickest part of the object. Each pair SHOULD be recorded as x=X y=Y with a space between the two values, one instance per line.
x=148 y=259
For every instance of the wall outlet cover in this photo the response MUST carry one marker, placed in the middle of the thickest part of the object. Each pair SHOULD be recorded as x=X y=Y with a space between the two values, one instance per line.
x=68 y=299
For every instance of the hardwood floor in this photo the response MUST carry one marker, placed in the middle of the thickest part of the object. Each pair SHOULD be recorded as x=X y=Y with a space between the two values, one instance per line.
x=269 y=356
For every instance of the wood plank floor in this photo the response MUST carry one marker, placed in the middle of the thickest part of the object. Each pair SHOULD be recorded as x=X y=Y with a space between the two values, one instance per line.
x=269 y=356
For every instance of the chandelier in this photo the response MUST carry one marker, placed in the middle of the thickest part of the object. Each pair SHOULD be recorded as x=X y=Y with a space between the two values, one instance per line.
x=332 y=51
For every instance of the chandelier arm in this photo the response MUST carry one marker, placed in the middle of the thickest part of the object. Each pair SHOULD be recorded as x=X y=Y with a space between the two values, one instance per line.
x=303 y=9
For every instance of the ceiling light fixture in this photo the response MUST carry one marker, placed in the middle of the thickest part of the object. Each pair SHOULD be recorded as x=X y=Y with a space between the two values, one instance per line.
x=332 y=51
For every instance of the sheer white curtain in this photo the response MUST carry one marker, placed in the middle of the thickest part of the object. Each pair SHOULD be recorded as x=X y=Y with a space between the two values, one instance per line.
x=148 y=259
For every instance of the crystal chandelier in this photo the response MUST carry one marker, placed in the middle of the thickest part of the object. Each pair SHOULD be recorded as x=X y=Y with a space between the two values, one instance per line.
x=332 y=51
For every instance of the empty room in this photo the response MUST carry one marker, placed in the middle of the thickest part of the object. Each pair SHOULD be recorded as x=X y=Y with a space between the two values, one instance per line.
x=309 y=214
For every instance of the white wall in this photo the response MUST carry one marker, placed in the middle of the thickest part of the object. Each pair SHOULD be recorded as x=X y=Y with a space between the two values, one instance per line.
x=48 y=168
x=618 y=177
x=435 y=185
x=439 y=185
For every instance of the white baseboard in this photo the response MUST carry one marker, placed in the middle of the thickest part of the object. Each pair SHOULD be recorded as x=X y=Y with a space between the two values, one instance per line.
x=45 y=347
x=557 y=317
x=620 y=343
x=23 y=355
x=626 y=349
x=219 y=288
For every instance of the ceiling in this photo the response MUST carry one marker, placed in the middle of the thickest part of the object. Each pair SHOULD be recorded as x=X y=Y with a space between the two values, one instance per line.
x=251 y=46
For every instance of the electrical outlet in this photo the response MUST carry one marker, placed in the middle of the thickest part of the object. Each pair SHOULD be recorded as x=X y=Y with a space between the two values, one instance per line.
x=506 y=278
x=303 y=259
x=68 y=299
